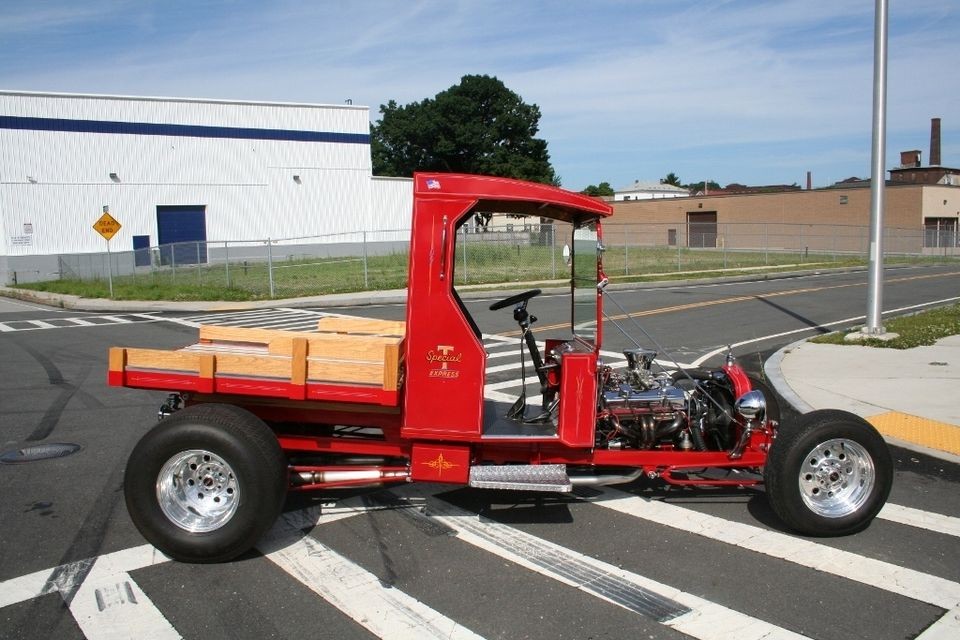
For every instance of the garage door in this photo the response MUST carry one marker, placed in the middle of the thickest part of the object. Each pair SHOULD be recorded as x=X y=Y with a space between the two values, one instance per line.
x=182 y=234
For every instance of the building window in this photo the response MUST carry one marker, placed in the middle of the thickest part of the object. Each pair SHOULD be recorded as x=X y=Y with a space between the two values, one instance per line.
x=843 y=199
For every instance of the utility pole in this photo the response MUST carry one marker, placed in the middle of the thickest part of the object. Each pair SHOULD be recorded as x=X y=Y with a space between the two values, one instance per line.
x=874 y=325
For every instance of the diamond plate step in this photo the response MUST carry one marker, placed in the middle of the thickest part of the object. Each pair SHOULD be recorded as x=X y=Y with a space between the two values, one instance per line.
x=525 y=477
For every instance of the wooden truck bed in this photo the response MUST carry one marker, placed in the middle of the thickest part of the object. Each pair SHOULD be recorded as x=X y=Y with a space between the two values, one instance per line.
x=345 y=360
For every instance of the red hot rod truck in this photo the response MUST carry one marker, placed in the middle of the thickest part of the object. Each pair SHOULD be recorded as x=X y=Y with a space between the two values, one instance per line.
x=255 y=413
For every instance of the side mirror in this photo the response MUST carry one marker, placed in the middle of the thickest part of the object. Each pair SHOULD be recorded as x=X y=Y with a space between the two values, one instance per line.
x=567 y=256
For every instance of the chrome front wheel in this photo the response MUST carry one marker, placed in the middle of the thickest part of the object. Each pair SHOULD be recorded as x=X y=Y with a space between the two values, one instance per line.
x=836 y=478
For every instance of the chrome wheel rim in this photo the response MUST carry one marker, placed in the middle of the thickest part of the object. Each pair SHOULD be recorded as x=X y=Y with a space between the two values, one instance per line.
x=836 y=478
x=198 y=491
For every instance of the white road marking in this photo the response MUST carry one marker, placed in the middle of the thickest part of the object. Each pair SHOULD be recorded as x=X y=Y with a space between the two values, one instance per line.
x=107 y=603
x=875 y=573
x=946 y=628
x=383 y=610
x=704 y=619
x=36 y=325
x=699 y=361
x=937 y=522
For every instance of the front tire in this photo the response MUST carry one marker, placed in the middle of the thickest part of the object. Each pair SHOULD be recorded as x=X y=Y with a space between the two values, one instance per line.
x=206 y=483
x=829 y=474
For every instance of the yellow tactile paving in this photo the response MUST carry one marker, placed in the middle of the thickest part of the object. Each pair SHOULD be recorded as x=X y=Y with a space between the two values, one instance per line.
x=922 y=431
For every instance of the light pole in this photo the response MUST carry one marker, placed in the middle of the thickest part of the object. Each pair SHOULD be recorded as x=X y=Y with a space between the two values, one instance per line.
x=877 y=172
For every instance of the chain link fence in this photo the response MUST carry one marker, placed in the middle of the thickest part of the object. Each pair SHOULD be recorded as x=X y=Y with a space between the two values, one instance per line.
x=507 y=250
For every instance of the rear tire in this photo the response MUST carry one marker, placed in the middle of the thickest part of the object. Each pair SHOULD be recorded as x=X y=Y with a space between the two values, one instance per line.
x=206 y=483
x=829 y=474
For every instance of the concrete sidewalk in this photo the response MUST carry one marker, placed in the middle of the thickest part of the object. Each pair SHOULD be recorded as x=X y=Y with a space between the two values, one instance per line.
x=912 y=396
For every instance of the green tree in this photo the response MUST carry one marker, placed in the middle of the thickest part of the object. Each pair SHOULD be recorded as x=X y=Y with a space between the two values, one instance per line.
x=477 y=126
x=673 y=179
x=602 y=189
x=698 y=186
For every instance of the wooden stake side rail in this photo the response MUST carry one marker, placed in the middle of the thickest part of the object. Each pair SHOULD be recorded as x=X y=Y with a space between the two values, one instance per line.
x=343 y=367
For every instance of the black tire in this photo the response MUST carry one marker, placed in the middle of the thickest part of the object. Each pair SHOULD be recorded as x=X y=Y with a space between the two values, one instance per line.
x=231 y=482
x=829 y=474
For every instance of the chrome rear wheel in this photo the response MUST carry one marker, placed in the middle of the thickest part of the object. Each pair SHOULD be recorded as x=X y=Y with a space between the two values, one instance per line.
x=198 y=491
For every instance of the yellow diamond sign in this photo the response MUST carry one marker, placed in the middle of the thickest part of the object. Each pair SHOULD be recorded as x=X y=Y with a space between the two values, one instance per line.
x=107 y=226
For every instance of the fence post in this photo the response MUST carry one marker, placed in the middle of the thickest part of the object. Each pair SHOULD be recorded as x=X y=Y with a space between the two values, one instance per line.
x=270 y=265
x=679 y=261
x=199 y=277
x=553 y=251
x=173 y=263
x=723 y=243
x=766 y=244
x=366 y=275
x=626 y=254
x=464 y=227
x=226 y=259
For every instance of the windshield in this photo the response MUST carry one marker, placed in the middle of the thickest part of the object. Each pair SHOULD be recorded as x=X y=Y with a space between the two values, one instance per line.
x=585 y=272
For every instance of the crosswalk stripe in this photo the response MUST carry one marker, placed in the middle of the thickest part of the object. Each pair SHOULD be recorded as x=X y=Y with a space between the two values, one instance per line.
x=911 y=517
x=109 y=605
x=73 y=323
x=671 y=607
x=384 y=611
x=876 y=573
x=946 y=628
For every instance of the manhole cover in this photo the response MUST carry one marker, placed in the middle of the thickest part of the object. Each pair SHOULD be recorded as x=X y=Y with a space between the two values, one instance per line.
x=38 y=452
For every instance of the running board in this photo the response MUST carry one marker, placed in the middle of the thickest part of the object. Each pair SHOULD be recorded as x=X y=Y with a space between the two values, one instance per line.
x=523 y=477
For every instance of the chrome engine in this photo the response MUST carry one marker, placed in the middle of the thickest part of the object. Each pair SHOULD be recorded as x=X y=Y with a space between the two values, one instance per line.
x=641 y=409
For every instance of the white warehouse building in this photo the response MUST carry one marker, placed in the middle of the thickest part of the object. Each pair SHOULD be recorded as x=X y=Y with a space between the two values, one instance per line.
x=174 y=170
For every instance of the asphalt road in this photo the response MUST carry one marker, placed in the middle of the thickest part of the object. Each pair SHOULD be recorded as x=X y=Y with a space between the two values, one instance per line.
x=649 y=563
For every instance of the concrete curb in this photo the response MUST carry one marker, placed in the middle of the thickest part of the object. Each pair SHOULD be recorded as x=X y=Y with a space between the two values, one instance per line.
x=772 y=370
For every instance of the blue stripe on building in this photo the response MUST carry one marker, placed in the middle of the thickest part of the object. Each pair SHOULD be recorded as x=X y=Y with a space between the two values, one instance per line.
x=179 y=130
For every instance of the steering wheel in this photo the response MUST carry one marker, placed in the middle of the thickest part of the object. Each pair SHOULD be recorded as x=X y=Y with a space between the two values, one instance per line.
x=515 y=299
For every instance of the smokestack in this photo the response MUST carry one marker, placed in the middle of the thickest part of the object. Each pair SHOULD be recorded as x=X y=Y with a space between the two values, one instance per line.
x=935 y=142
x=809 y=181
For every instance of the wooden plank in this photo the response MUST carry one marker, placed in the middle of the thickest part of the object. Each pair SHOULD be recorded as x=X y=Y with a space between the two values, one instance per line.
x=216 y=333
x=208 y=369
x=337 y=346
x=254 y=366
x=391 y=367
x=299 y=365
x=373 y=326
x=160 y=359
x=331 y=371
x=328 y=345
x=117 y=359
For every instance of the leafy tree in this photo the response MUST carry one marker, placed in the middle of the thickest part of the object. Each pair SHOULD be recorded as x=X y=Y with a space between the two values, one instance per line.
x=477 y=126
x=602 y=189
x=671 y=178
x=698 y=186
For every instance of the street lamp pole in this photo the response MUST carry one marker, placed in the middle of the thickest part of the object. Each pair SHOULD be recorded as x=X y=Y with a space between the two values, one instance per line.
x=877 y=172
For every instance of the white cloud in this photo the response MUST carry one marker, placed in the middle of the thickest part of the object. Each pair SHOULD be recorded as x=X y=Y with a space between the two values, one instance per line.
x=747 y=91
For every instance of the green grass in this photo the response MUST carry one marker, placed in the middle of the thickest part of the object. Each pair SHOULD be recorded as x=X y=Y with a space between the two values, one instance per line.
x=475 y=263
x=914 y=330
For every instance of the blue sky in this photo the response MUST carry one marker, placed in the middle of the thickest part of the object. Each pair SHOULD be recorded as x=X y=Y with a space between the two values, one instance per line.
x=756 y=92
